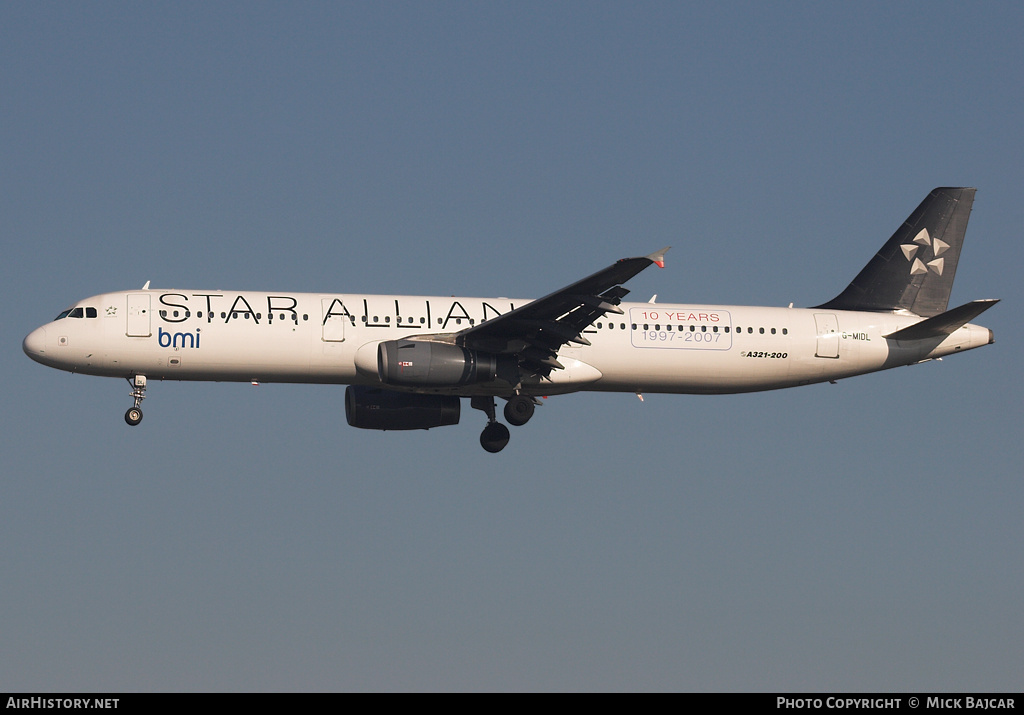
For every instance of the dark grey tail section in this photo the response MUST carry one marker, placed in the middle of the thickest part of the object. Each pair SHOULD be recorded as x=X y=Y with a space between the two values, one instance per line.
x=915 y=269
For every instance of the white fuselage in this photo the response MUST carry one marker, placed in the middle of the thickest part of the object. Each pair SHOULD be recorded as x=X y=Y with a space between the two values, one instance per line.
x=316 y=338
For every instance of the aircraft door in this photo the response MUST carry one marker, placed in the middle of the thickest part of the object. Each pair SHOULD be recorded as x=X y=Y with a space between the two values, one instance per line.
x=138 y=316
x=828 y=335
x=334 y=317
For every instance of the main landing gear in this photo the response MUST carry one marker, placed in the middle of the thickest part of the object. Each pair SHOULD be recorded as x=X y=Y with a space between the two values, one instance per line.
x=518 y=412
x=134 y=414
x=519 y=409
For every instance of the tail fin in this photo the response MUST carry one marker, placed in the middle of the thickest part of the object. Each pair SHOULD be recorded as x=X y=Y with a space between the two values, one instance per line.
x=914 y=271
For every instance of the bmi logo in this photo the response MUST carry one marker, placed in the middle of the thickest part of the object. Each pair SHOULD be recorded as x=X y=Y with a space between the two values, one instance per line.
x=922 y=242
x=175 y=340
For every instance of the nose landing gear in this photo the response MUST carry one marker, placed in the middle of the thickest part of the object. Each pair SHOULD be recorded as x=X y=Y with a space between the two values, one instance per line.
x=134 y=414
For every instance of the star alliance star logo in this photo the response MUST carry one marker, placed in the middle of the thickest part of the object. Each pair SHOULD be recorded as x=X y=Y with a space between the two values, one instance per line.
x=922 y=242
x=111 y=310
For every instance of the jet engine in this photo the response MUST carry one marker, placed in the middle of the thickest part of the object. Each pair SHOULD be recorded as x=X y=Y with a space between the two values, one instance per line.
x=418 y=363
x=374 y=408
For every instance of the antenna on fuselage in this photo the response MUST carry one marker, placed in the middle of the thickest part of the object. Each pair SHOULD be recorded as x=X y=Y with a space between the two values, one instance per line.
x=146 y=287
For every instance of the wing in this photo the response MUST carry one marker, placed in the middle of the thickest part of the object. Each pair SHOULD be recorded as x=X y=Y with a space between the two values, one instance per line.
x=535 y=332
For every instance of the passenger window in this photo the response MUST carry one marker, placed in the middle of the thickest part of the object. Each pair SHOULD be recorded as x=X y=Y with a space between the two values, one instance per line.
x=761 y=330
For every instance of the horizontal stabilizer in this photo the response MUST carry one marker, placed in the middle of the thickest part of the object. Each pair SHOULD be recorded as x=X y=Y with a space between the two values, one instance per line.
x=944 y=323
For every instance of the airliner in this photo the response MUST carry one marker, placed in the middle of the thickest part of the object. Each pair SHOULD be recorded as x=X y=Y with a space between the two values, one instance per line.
x=408 y=360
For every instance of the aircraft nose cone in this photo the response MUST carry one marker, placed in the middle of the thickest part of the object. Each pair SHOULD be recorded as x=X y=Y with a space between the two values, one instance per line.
x=34 y=344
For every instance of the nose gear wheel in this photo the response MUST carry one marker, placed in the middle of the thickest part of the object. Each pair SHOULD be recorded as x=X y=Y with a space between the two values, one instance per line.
x=134 y=414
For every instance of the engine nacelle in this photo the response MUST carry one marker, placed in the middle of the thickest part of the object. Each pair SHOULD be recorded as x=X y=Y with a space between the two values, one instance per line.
x=374 y=408
x=418 y=363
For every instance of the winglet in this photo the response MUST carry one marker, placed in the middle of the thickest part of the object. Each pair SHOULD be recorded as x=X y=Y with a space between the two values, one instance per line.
x=658 y=257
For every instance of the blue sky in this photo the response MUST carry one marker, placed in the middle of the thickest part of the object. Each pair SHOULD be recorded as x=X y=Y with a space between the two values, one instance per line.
x=858 y=536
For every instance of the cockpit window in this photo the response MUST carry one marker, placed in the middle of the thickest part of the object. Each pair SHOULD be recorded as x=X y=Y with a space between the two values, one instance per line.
x=78 y=313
